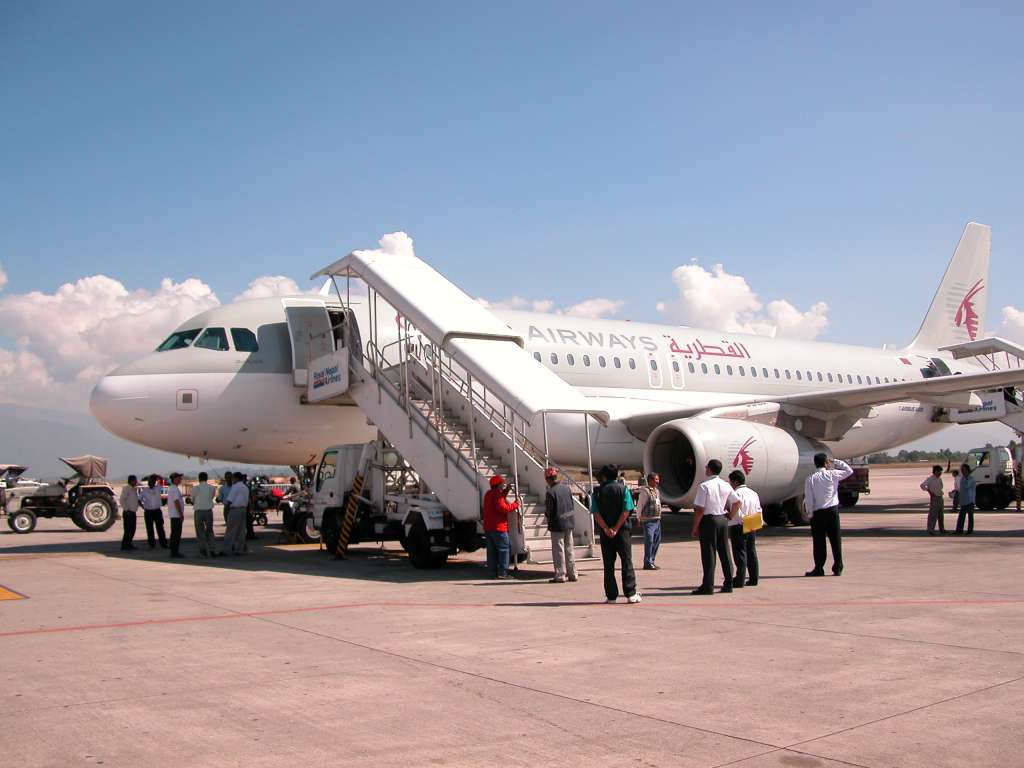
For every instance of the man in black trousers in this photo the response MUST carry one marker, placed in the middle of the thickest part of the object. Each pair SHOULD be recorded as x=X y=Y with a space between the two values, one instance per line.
x=710 y=521
x=129 y=508
x=611 y=515
x=821 y=500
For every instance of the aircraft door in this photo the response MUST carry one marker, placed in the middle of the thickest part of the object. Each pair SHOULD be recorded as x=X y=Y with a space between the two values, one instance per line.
x=309 y=328
x=653 y=370
x=675 y=371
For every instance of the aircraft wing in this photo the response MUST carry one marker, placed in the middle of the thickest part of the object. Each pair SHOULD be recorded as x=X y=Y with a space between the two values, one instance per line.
x=833 y=402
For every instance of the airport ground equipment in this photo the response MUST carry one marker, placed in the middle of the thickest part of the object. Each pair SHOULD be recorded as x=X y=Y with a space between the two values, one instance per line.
x=856 y=485
x=456 y=394
x=85 y=497
x=992 y=470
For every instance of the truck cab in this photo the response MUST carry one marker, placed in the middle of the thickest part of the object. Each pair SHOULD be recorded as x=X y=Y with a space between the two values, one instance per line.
x=992 y=470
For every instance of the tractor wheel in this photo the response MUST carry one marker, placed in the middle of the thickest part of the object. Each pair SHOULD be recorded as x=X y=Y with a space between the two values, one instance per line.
x=94 y=512
x=848 y=499
x=22 y=521
x=420 y=554
x=305 y=528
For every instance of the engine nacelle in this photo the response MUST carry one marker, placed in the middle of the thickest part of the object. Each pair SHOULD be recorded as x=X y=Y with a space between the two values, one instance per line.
x=775 y=461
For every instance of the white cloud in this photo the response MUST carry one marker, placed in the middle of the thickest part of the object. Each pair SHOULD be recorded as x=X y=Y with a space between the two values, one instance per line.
x=719 y=300
x=3 y=277
x=1013 y=324
x=520 y=304
x=269 y=285
x=66 y=340
x=594 y=308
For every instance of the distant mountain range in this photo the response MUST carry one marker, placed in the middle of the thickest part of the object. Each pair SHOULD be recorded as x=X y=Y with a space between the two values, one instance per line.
x=37 y=438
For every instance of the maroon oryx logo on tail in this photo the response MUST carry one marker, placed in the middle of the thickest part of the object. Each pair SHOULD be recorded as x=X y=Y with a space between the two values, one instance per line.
x=965 y=314
x=744 y=459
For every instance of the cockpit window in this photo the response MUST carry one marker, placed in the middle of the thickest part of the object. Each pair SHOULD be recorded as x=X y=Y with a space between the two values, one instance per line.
x=213 y=338
x=179 y=340
x=245 y=340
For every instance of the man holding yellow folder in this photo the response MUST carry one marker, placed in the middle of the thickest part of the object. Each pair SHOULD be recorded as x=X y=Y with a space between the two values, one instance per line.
x=745 y=505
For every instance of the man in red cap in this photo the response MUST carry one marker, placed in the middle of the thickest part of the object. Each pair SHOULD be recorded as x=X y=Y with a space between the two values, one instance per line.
x=496 y=511
x=558 y=505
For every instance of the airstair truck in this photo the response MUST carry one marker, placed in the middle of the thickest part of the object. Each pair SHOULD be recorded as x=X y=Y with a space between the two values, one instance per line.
x=369 y=493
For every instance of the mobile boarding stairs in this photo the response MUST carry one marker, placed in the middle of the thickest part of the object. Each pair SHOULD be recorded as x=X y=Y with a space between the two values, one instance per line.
x=452 y=388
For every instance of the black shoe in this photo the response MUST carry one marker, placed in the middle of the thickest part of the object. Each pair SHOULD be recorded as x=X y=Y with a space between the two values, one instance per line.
x=702 y=591
x=177 y=554
x=752 y=583
x=557 y=581
x=837 y=571
x=726 y=590
x=163 y=546
x=815 y=573
x=152 y=546
x=737 y=585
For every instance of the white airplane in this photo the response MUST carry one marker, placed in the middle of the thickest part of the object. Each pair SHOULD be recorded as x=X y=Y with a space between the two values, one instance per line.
x=227 y=384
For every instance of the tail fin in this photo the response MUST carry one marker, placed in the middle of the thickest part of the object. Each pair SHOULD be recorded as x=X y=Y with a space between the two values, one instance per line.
x=957 y=313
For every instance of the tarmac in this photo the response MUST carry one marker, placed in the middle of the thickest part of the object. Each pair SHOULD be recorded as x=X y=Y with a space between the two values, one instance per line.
x=284 y=656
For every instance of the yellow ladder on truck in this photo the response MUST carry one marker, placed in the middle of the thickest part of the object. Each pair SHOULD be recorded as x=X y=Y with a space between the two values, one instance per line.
x=352 y=506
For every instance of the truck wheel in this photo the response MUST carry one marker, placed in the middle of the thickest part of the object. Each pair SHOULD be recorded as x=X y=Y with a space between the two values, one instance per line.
x=419 y=548
x=22 y=521
x=94 y=512
x=985 y=499
x=774 y=514
x=848 y=498
x=305 y=529
x=330 y=528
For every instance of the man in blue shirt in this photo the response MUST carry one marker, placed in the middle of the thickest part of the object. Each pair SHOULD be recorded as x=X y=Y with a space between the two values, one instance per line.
x=968 y=486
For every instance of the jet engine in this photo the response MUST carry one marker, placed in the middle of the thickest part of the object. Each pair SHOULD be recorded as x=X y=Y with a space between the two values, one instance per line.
x=775 y=461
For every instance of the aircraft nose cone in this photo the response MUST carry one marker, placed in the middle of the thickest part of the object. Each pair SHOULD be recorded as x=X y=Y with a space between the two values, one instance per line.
x=117 y=403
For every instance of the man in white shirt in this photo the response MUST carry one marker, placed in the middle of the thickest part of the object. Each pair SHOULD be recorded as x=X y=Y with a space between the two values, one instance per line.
x=152 y=514
x=202 y=508
x=238 y=508
x=933 y=485
x=129 y=512
x=821 y=500
x=710 y=521
x=175 y=511
x=743 y=502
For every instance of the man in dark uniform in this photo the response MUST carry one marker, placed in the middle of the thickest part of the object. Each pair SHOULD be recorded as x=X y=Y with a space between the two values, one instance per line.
x=611 y=515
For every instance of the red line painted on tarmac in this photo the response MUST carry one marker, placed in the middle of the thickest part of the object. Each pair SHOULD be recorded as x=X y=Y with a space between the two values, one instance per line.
x=695 y=603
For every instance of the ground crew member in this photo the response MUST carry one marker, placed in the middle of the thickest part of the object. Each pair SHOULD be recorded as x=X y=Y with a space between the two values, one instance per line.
x=955 y=493
x=968 y=486
x=648 y=514
x=152 y=514
x=250 y=518
x=743 y=502
x=175 y=511
x=611 y=506
x=710 y=521
x=237 y=506
x=561 y=521
x=821 y=500
x=497 y=508
x=202 y=509
x=933 y=485
x=222 y=495
x=129 y=510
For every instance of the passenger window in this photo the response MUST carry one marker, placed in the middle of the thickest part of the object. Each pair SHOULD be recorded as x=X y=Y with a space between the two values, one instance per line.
x=809 y=377
x=703 y=367
x=689 y=367
x=601 y=361
x=632 y=364
x=654 y=365
x=799 y=376
x=819 y=376
x=586 y=360
x=742 y=371
x=179 y=340
x=753 y=371
x=617 y=362
x=675 y=367
x=213 y=338
x=830 y=378
x=787 y=375
x=718 y=369
x=877 y=380
x=776 y=373
x=328 y=466
x=554 y=359
x=858 y=379
x=728 y=369
x=849 y=379
x=570 y=359
x=536 y=356
x=886 y=379
x=244 y=340
x=764 y=372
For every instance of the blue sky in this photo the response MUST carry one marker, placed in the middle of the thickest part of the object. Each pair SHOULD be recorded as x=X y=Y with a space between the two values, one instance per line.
x=562 y=150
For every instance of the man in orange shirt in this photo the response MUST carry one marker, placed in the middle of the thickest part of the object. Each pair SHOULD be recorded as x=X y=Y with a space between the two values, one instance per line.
x=496 y=511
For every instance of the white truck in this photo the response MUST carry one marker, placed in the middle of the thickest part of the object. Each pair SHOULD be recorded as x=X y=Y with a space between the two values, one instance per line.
x=392 y=504
x=992 y=470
